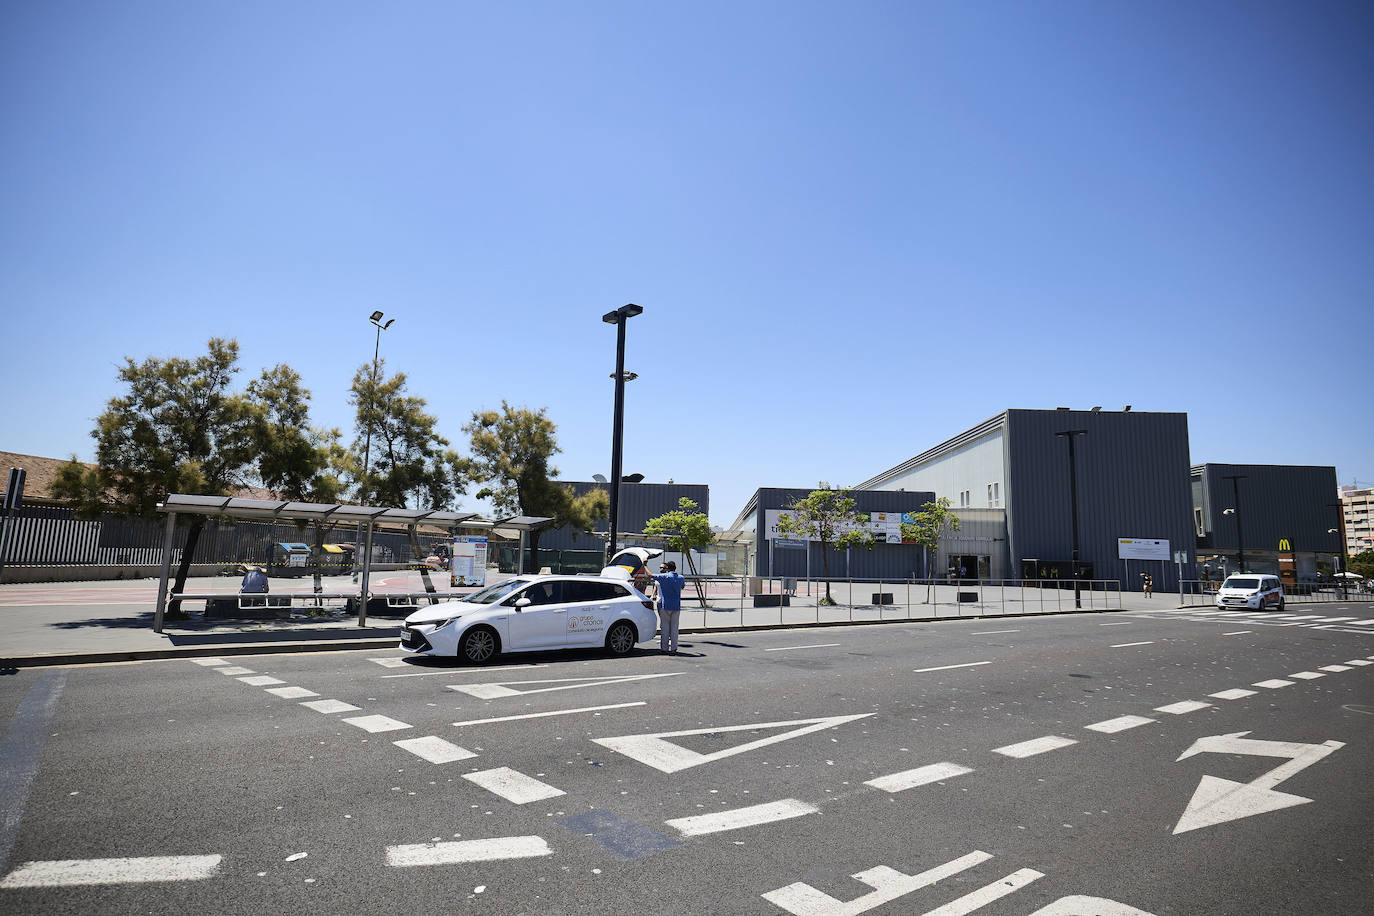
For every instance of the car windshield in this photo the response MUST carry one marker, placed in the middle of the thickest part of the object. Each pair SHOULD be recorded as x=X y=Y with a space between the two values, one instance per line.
x=494 y=593
x=1237 y=582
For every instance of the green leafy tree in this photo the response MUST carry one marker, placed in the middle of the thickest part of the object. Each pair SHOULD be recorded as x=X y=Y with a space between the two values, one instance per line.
x=827 y=515
x=177 y=429
x=294 y=460
x=408 y=462
x=931 y=524
x=684 y=529
x=1362 y=564
x=511 y=451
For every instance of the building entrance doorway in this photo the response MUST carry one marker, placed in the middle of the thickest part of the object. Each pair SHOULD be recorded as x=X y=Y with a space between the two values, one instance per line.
x=970 y=567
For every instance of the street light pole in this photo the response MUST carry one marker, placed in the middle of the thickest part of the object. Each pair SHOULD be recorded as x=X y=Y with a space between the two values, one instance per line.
x=618 y=318
x=1240 y=532
x=1073 y=503
x=376 y=319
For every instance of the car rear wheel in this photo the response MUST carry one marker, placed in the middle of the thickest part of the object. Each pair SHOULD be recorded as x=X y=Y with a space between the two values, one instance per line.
x=1281 y=604
x=620 y=639
x=478 y=645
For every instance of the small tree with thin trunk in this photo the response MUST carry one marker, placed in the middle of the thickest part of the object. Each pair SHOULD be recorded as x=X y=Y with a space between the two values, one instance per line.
x=826 y=515
x=684 y=529
x=931 y=524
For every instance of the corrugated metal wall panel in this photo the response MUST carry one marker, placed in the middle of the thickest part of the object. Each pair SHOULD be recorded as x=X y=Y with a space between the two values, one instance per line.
x=1276 y=501
x=1133 y=481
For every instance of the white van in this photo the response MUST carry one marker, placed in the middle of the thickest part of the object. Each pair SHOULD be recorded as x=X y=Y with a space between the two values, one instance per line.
x=1251 y=590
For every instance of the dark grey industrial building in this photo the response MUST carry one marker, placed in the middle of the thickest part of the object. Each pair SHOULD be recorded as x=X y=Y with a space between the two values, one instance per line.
x=1131 y=479
x=1278 y=509
x=883 y=561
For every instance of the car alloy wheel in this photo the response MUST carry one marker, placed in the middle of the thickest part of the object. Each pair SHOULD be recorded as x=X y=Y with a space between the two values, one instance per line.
x=620 y=639
x=479 y=645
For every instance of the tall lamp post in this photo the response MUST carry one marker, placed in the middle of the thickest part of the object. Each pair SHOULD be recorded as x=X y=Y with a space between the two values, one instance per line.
x=376 y=319
x=1069 y=434
x=1235 y=510
x=618 y=318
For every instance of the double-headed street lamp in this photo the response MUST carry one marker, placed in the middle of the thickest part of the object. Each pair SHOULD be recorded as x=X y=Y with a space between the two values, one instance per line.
x=376 y=319
x=618 y=318
x=1073 y=502
x=1235 y=510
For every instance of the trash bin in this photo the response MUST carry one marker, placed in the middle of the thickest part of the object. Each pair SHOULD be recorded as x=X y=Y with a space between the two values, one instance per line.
x=334 y=559
x=288 y=559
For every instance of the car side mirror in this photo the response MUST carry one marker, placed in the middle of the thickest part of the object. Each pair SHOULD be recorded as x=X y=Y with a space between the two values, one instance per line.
x=522 y=603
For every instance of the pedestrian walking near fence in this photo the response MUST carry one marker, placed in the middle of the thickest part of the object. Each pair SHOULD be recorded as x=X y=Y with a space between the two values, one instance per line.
x=1149 y=581
x=669 y=582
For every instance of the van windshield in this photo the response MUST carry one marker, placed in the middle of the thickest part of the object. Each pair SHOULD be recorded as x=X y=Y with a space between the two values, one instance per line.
x=1238 y=582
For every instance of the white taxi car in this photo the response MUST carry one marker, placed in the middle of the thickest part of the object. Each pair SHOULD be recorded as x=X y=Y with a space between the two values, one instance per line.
x=1250 y=590
x=533 y=614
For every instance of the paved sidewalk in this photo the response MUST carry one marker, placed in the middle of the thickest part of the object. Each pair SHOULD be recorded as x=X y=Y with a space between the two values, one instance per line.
x=93 y=622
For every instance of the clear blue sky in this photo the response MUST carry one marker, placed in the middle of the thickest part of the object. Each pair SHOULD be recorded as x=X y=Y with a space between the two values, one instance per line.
x=856 y=228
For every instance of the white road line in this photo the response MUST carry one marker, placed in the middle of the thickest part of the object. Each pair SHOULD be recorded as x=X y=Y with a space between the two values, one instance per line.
x=1305 y=616
x=910 y=779
x=1182 y=708
x=656 y=751
x=1334 y=669
x=511 y=847
x=207 y=662
x=1361 y=623
x=1333 y=619
x=260 y=680
x=1124 y=623
x=451 y=673
x=1127 y=645
x=541 y=715
x=1034 y=746
x=1359 y=661
x=801 y=899
x=331 y=706
x=434 y=749
x=291 y=693
x=950 y=667
x=389 y=661
x=987 y=894
x=752 y=816
x=72 y=872
x=234 y=671
x=376 y=724
x=1233 y=694
x=992 y=632
x=495 y=689
x=1112 y=726
x=1273 y=684
x=1307 y=675
x=1238 y=633
x=821 y=645
x=513 y=786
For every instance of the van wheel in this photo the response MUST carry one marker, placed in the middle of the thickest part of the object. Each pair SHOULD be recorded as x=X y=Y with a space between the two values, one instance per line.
x=1281 y=605
x=620 y=639
x=479 y=645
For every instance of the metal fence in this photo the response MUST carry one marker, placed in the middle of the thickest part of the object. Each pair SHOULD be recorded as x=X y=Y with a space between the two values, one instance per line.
x=757 y=601
x=1201 y=592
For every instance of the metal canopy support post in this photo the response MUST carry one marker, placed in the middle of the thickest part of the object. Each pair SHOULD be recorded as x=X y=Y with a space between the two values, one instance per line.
x=367 y=574
x=166 y=573
x=520 y=554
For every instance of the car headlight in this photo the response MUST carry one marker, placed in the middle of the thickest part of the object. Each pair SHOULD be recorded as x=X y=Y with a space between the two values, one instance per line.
x=443 y=623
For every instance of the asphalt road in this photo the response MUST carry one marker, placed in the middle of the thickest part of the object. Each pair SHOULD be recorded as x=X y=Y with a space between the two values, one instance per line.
x=1123 y=763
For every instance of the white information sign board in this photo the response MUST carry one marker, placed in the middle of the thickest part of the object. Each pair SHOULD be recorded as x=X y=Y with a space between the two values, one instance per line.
x=469 y=563
x=1143 y=549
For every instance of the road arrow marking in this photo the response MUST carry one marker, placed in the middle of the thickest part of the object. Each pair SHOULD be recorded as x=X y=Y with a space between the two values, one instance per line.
x=663 y=755
x=1219 y=800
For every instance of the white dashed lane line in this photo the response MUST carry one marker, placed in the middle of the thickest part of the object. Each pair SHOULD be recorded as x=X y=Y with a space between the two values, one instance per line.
x=1112 y=726
x=147 y=869
x=1307 y=675
x=1127 y=645
x=1235 y=693
x=910 y=779
x=434 y=749
x=234 y=671
x=1124 y=623
x=950 y=667
x=260 y=680
x=376 y=724
x=291 y=693
x=330 y=706
x=1273 y=683
x=822 y=645
x=208 y=662
x=453 y=853
x=1359 y=661
x=771 y=812
x=1034 y=746
x=1334 y=669
x=513 y=786
x=992 y=632
x=542 y=715
x=1183 y=708
x=1238 y=633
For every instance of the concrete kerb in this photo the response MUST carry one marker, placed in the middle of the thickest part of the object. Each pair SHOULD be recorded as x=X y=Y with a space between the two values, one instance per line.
x=271 y=647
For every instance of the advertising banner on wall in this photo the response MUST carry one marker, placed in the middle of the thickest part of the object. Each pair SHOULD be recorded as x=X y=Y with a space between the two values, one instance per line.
x=469 y=563
x=1143 y=549
x=886 y=527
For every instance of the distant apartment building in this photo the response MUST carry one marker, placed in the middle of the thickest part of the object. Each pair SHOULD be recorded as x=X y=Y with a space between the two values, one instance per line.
x=1357 y=510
